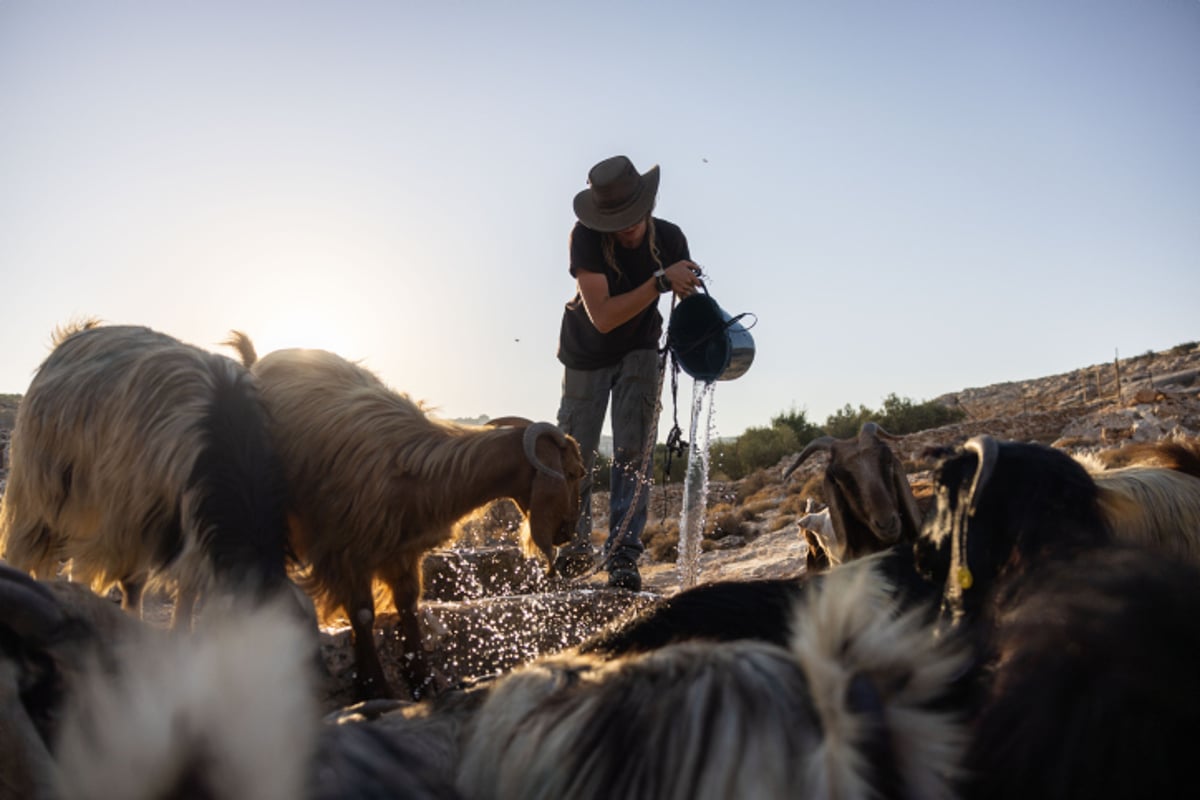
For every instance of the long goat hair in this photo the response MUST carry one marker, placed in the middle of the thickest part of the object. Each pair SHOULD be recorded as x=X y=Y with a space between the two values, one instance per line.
x=97 y=704
x=850 y=709
x=138 y=457
x=1095 y=687
x=374 y=482
x=1155 y=506
x=226 y=713
x=1003 y=506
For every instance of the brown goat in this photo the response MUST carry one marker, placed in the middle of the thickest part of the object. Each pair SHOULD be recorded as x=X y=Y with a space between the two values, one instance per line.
x=374 y=483
x=871 y=504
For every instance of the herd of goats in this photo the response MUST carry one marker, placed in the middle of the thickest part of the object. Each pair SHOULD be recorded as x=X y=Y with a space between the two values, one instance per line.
x=1034 y=634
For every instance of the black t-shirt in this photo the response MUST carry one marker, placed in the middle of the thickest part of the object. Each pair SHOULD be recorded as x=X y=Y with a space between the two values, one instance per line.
x=580 y=345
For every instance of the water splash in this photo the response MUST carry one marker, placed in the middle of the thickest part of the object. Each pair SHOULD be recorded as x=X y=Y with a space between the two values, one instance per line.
x=695 y=487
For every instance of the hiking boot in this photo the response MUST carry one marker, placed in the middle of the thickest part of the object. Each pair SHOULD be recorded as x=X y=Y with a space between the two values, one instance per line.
x=623 y=573
x=574 y=559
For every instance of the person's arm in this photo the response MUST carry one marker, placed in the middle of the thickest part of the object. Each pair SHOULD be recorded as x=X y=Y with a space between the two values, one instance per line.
x=608 y=312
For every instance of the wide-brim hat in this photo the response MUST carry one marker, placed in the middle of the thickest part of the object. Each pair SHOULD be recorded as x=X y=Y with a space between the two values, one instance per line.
x=617 y=195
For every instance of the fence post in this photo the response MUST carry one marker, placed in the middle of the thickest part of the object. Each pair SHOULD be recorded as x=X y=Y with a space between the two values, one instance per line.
x=1117 y=367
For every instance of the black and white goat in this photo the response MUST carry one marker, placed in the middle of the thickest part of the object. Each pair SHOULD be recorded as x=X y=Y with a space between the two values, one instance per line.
x=1072 y=630
x=1002 y=506
x=136 y=457
x=1094 y=686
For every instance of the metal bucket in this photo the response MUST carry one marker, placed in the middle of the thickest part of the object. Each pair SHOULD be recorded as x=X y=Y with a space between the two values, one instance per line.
x=708 y=344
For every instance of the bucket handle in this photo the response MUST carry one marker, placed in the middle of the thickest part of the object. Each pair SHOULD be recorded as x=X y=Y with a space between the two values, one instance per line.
x=733 y=319
x=720 y=327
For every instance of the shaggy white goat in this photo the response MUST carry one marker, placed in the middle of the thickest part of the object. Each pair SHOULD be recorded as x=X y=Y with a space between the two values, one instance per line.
x=848 y=711
x=137 y=457
x=374 y=483
x=1150 y=493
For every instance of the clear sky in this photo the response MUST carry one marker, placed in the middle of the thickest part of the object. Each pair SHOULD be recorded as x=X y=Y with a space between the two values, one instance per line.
x=911 y=196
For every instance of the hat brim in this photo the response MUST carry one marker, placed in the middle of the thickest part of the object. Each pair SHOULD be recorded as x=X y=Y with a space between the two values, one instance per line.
x=609 y=222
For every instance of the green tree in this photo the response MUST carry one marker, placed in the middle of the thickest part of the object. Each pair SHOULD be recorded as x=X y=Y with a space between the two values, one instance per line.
x=901 y=415
x=845 y=422
x=797 y=420
x=723 y=460
x=759 y=448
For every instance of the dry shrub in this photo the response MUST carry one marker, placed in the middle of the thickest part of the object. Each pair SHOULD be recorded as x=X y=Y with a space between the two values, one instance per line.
x=661 y=540
x=725 y=520
x=497 y=523
x=759 y=506
x=780 y=522
x=752 y=484
x=813 y=486
x=769 y=494
x=795 y=504
x=1069 y=443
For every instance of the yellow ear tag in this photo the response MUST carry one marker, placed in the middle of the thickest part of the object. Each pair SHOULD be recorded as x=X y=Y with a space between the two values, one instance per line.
x=965 y=579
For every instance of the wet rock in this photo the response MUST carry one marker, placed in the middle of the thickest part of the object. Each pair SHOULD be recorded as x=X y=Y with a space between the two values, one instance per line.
x=468 y=640
x=469 y=574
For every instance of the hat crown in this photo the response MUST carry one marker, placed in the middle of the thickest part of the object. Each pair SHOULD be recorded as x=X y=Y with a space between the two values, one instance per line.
x=615 y=183
x=617 y=196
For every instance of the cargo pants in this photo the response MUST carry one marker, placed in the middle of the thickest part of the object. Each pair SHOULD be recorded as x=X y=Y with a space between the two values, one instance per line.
x=633 y=385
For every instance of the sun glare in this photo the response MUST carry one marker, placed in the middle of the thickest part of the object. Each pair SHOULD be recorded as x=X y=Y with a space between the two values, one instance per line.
x=311 y=332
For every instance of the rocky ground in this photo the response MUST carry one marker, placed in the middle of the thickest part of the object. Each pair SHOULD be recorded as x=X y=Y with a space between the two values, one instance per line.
x=487 y=608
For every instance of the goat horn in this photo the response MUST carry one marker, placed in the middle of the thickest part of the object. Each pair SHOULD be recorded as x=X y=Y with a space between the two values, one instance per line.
x=874 y=429
x=508 y=422
x=532 y=433
x=818 y=444
x=986 y=449
x=26 y=606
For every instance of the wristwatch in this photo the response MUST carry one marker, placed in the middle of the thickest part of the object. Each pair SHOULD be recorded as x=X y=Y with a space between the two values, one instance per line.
x=660 y=279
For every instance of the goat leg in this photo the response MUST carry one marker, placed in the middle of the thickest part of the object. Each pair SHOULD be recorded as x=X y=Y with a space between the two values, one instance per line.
x=369 y=680
x=131 y=595
x=405 y=582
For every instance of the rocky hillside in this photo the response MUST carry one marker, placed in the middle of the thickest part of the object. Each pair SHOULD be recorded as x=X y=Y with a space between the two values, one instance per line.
x=750 y=528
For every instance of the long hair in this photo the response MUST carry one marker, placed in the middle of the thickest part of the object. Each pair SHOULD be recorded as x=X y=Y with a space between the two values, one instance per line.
x=608 y=246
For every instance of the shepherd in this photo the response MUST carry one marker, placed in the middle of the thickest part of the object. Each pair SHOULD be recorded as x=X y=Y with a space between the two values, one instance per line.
x=622 y=259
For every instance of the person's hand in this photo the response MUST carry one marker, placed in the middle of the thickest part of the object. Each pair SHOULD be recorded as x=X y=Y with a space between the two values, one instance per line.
x=684 y=276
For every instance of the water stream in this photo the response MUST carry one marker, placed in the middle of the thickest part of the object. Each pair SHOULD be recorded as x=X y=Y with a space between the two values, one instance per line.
x=695 y=487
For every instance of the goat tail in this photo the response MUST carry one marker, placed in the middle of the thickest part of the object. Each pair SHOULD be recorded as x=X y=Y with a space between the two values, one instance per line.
x=241 y=342
x=235 y=495
x=878 y=676
x=68 y=329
